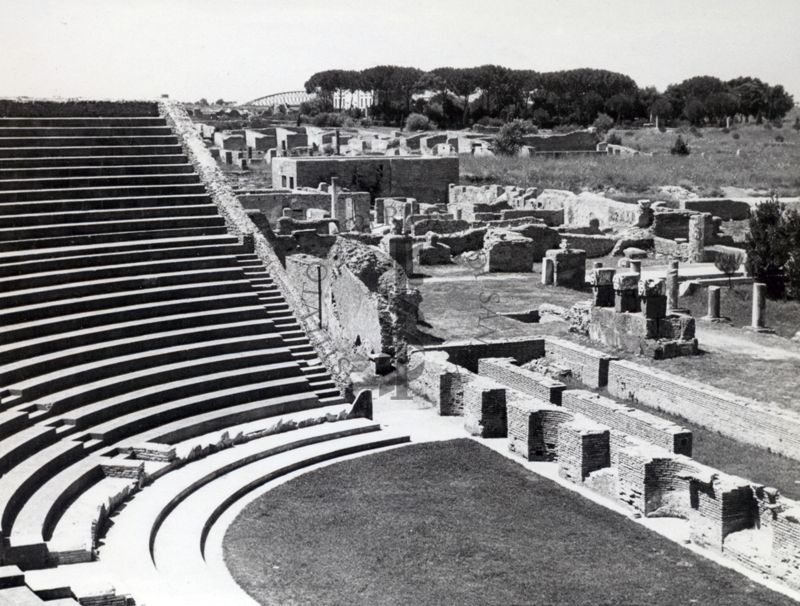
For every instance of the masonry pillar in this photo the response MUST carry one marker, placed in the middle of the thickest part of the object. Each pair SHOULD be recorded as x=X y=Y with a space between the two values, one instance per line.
x=653 y=299
x=697 y=235
x=400 y=249
x=602 y=281
x=380 y=211
x=626 y=292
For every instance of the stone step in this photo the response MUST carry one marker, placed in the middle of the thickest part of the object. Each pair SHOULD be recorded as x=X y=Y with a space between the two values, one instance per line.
x=89 y=336
x=56 y=172
x=61 y=163
x=74 y=276
x=84 y=141
x=71 y=230
x=40 y=219
x=228 y=394
x=100 y=399
x=89 y=192
x=99 y=204
x=89 y=151
x=33 y=246
x=97 y=181
x=83 y=121
x=49 y=264
x=227 y=291
x=174 y=520
x=150 y=336
x=166 y=306
x=84 y=374
x=82 y=131
x=110 y=247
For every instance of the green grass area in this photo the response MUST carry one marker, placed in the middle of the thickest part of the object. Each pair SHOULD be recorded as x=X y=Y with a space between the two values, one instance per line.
x=736 y=304
x=736 y=458
x=763 y=164
x=455 y=523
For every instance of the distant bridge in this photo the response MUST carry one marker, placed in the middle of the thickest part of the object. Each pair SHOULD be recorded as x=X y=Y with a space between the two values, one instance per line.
x=291 y=98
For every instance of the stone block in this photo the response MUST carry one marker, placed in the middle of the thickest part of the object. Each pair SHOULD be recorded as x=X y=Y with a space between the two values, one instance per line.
x=634 y=253
x=652 y=287
x=569 y=267
x=676 y=326
x=654 y=307
x=603 y=296
x=485 y=410
x=602 y=276
x=626 y=281
x=626 y=301
x=507 y=251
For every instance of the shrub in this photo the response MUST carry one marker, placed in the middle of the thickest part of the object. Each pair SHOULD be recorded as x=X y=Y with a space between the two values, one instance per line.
x=679 y=148
x=728 y=264
x=614 y=139
x=767 y=246
x=779 y=138
x=696 y=132
x=327 y=119
x=736 y=135
x=726 y=130
x=603 y=122
x=488 y=121
x=510 y=138
x=796 y=124
x=416 y=122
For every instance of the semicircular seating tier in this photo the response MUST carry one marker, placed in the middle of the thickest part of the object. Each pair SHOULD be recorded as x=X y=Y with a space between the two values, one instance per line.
x=151 y=371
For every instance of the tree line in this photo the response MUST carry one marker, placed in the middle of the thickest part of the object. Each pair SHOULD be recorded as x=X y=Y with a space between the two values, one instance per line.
x=493 y=94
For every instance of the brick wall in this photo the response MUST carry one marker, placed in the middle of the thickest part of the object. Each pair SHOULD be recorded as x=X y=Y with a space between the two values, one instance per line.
x=533 y=426
x=485 y=409
x=594 y=245
x=736 y=417
x=637 y=423
x=786 y=547
x=583 y=447
x=442 y=383
x=588 y=366
x=525 y=381
x=272 y=203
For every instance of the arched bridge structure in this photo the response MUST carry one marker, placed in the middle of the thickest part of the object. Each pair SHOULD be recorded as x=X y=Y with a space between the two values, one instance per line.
x=288 y=98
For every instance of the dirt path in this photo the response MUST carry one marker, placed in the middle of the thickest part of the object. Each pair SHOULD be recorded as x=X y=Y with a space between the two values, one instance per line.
x=761 y=347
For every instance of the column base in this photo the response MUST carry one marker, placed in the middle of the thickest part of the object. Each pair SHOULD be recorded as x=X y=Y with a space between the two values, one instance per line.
x=715 y=320
x=759 y=329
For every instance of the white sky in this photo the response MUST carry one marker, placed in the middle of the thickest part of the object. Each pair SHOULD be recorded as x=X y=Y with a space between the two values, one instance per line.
x=242 y=49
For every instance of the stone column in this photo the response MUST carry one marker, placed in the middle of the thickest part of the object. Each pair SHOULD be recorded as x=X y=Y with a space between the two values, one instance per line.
x=713 y=304
x=626 y=290
x=379 y=211
x=697 y=235
x=672 y=288
x=759 y=305
x=602 y=281
x=548 y=270
x=334 y=191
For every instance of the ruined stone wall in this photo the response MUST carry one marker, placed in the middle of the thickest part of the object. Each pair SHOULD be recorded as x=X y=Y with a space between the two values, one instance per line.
x=272 y=203
x=467 y=353
x=438 y=226
x=637 y=423
x=426 y=179
x=464 y=241
x=725 y=209
x=533 y=426
x=594 y=245
x=441 y=382
x=588 y=366
x=574 y=141
x=733 y=416
x=583 y=447
x=581 y=209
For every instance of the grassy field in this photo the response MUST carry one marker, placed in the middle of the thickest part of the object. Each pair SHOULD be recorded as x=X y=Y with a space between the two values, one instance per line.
x=455 y=523
x=764 y=164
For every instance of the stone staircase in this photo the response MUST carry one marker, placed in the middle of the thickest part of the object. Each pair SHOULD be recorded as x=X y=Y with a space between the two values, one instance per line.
x=140 y=342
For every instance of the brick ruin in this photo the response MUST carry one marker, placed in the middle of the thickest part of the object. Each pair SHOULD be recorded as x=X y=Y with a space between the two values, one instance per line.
x=626 y=454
